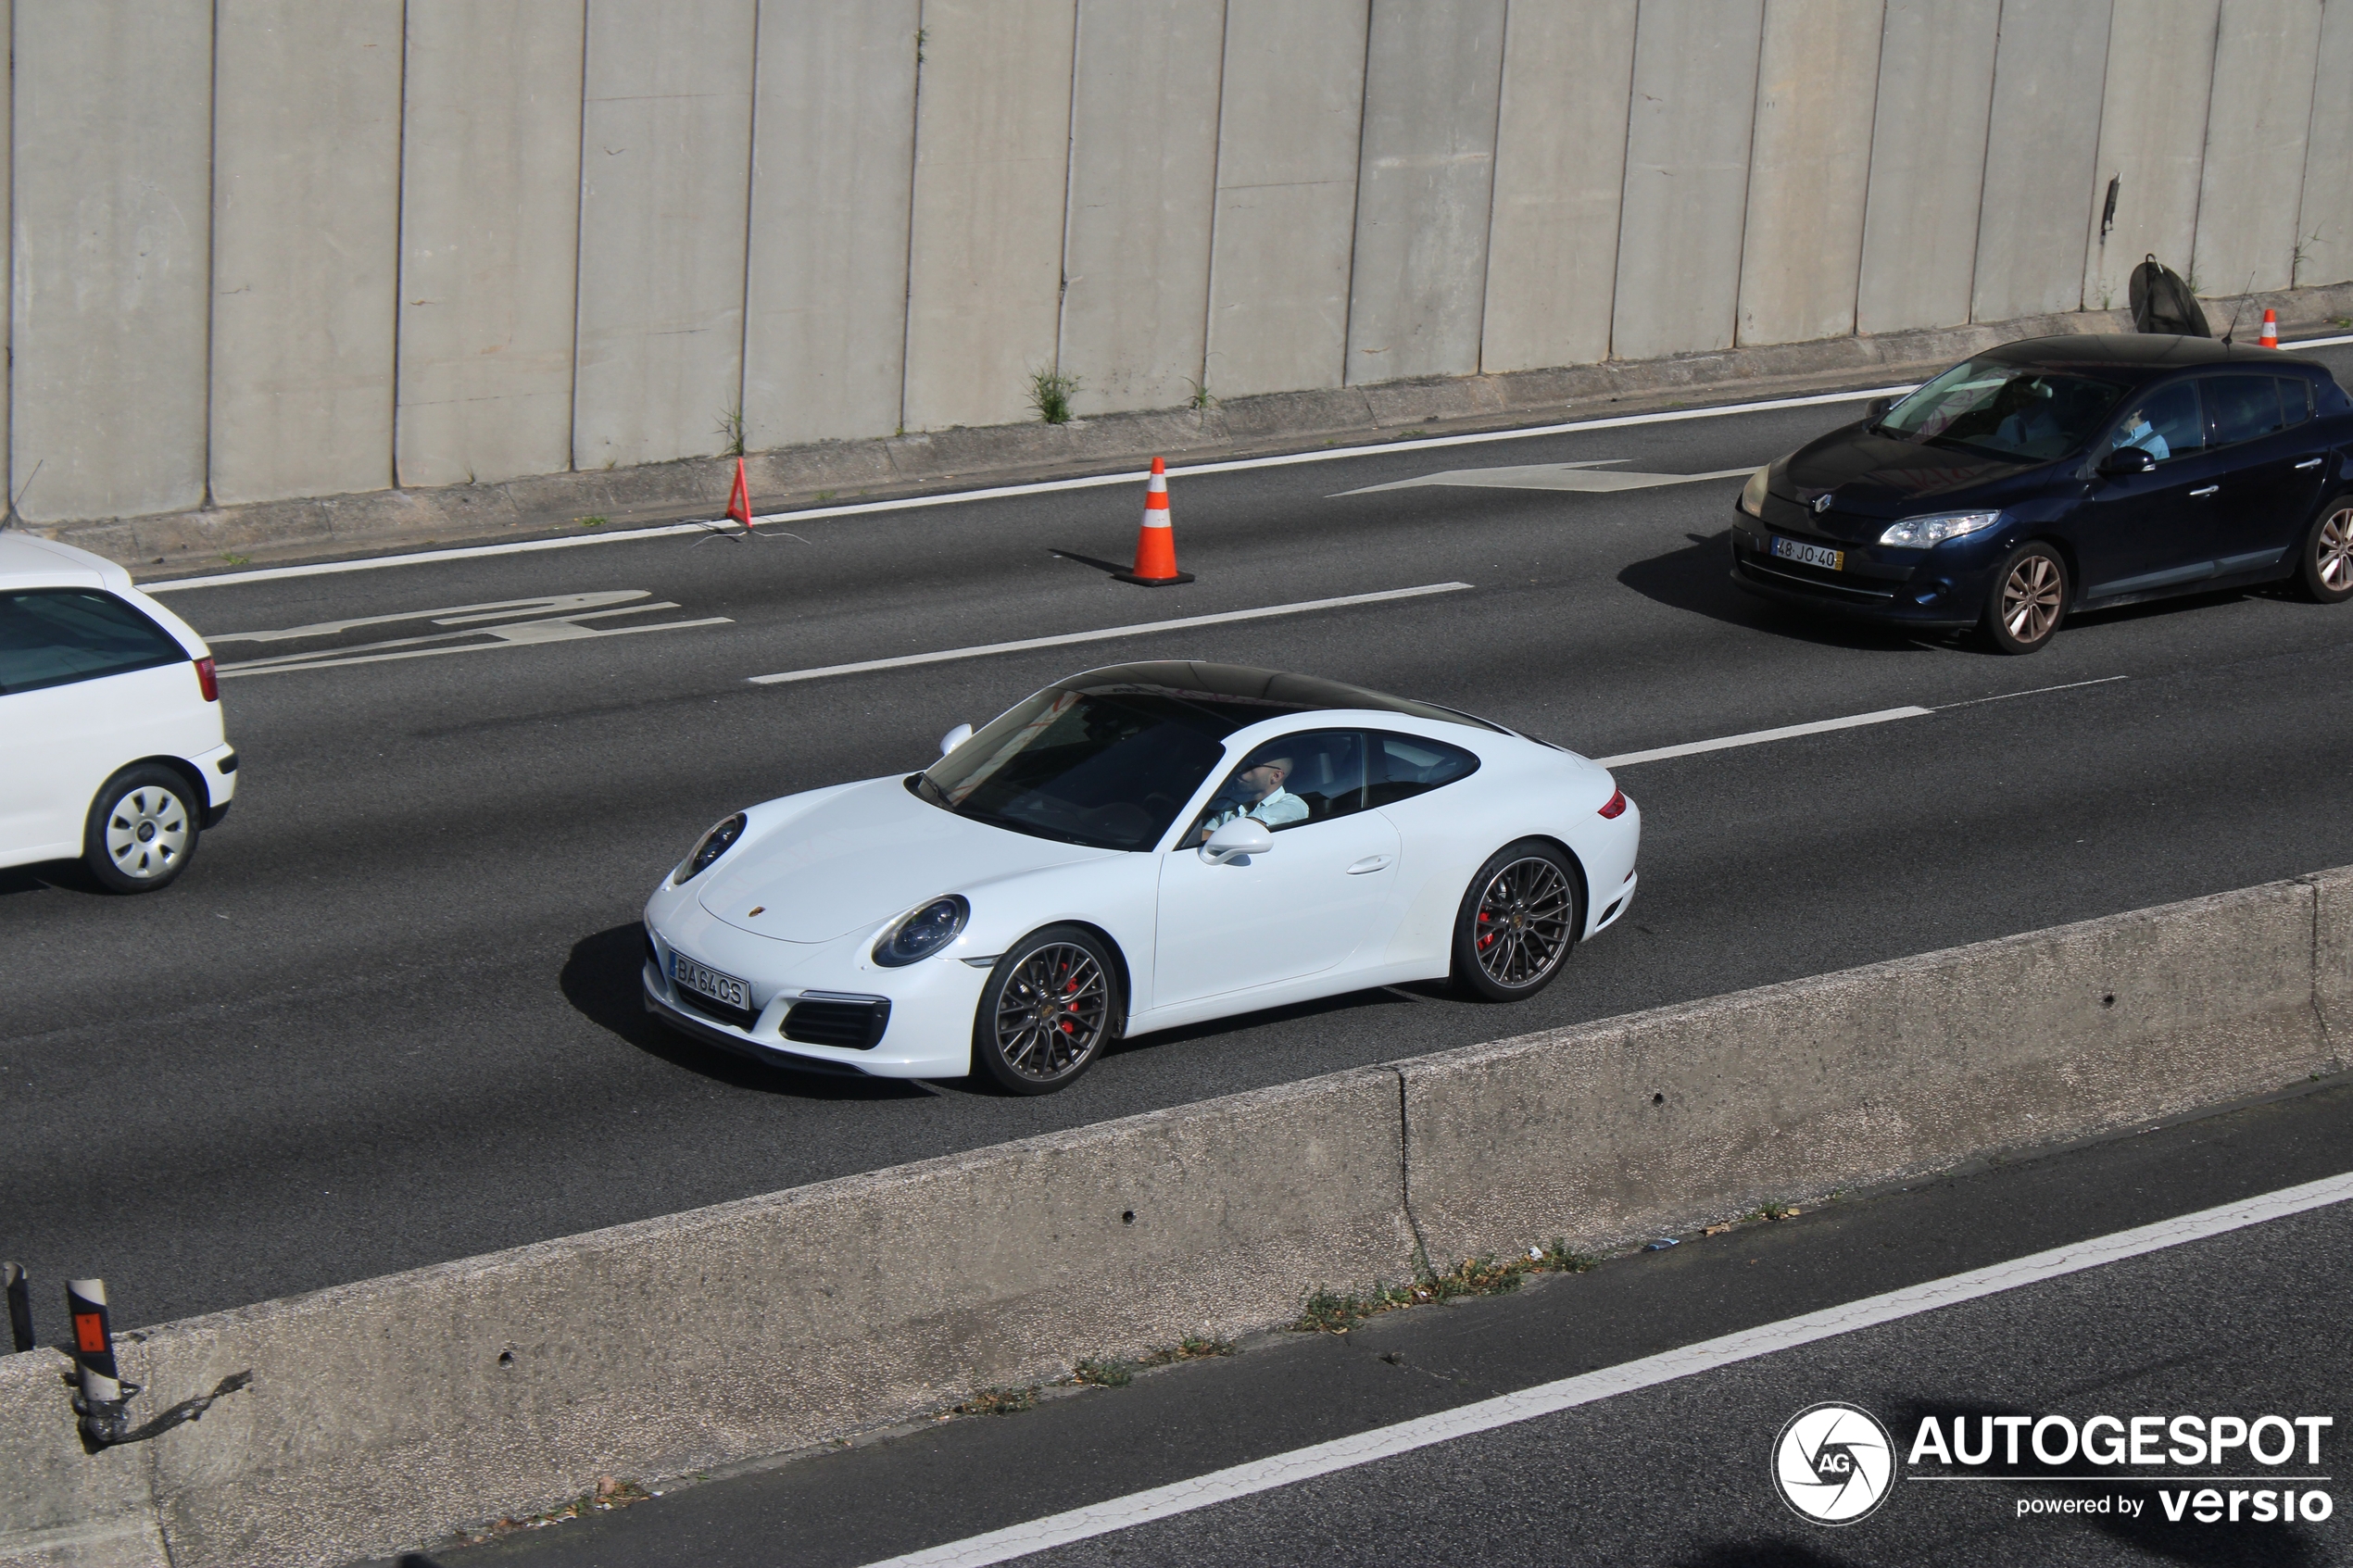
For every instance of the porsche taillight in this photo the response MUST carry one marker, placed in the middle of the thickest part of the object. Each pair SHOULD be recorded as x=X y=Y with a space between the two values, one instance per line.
x=1616 y=805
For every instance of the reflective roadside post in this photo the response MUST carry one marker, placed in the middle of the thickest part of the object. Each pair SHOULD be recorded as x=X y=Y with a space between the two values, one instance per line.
x=104 y=1396
x=19 y=1306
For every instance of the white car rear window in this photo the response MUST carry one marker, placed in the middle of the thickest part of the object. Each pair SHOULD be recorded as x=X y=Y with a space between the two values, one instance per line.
x=53 y=636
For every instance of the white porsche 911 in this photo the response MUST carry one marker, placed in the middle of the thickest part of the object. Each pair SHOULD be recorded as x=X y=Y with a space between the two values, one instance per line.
x=1131 y=849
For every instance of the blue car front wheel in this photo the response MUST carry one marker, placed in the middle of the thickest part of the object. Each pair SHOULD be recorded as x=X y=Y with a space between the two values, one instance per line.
x=2027 y=602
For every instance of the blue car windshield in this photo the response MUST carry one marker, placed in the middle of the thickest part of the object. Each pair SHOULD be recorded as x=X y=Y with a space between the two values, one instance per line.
x=1108 y=768
x=2003 y=410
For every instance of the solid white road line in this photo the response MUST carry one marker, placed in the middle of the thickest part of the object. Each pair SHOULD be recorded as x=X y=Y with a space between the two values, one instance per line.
x=1139 y=629
x=1325 y=455
x=1344 y=1453
x=1821 y=726
x=419 y=557
x=1590 y=478
x=2037 y=691
x=1758 y=737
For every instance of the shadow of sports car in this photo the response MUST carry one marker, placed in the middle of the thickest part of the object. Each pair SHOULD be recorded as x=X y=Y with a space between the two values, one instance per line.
x=2060 y=474
x=1136 y=848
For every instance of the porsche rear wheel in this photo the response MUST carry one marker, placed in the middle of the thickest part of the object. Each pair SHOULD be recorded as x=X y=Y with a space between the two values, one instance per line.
x=1049 y=1006
x=1519 y=919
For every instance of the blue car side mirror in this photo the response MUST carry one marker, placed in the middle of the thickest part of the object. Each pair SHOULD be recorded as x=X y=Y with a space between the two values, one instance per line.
x=2127 y=459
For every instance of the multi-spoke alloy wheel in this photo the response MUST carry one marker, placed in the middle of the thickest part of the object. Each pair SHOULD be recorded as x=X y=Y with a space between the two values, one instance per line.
x=2029 y=600
x=2328 y=558
x=141 y=830
x=1517 y=921
x=1047 y=1008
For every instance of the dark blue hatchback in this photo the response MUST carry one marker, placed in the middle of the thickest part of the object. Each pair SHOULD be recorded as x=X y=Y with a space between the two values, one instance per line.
x=2060 y=474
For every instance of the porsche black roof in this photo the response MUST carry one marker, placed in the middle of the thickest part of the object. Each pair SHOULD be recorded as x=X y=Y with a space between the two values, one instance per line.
x=2137 y=356
x=1272 y=689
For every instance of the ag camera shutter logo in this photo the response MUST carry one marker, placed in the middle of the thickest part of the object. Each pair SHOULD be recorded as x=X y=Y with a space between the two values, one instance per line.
x=1834 y=1464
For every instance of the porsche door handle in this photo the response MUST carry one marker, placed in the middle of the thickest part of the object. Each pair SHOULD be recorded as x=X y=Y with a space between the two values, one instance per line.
x=2309 y=463
x=1369 y=863
x=2201 y=494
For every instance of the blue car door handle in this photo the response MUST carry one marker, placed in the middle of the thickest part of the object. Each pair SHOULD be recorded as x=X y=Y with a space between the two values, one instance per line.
x=1369 y=863
x=2201 y=494
x=2309 y=463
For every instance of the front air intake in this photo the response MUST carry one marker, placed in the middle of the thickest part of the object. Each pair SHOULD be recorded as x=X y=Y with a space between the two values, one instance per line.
x=854 y=1023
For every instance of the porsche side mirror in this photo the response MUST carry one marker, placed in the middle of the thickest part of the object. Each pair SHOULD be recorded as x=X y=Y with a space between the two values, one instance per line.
x=1238 y=840
x=955 y=738
x=1877 y=409
x=2127 y=459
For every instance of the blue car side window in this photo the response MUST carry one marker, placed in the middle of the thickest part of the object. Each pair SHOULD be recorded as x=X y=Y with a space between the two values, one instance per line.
x=2241 y=409
x=2166 y=424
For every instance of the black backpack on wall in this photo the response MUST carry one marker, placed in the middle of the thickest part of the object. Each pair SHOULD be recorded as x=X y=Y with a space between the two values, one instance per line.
x=2162 y=303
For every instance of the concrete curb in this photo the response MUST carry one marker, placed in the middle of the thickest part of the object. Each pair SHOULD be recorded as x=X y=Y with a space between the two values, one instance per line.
x=397 y=1410
x=177 y=543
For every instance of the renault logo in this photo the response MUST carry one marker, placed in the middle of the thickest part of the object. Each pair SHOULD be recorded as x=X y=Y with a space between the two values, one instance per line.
x=1822 y=501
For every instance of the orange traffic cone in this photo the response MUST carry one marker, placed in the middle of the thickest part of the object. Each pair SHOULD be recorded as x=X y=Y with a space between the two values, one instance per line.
x=1156 y=541
x=2271 y=338
x=739 y=500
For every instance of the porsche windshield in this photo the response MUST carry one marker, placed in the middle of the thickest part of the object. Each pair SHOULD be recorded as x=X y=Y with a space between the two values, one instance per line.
x=2003 y=410
x=1107 y=768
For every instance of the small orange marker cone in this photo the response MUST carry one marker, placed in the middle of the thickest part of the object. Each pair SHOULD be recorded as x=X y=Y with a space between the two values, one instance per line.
x=1156 y=541
x=739 y=500
x=2271 y=338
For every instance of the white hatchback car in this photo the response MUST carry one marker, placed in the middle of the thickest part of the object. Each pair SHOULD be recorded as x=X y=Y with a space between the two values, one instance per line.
x=1136 y=849
x=114 y=749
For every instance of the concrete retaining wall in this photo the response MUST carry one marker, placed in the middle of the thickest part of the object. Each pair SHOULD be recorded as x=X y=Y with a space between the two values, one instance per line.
x=616 y=227
x=393 y=1410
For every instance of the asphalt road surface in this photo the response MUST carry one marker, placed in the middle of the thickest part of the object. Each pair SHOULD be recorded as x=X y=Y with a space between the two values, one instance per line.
x=1677 y=1473
x=389 y=1016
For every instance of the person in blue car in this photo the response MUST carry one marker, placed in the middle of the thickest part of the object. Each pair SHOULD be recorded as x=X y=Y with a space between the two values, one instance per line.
x=2136 y=431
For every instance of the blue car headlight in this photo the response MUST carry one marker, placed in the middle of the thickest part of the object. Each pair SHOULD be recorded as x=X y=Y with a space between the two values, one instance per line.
x=1919 y=532
x=708 y=848
x=922 y=931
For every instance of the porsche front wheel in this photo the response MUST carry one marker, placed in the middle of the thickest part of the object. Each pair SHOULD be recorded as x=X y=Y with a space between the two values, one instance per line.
x=1519 y=919
x=1050 y=1005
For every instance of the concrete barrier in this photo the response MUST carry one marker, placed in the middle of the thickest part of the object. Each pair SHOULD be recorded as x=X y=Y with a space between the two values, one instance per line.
x=386 y=1413
x=1611 y=1132
x=397 y=1410
x=2333 y=954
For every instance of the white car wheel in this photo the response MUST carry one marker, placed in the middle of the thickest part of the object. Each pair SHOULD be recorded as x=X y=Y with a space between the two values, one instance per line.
x=142 y=830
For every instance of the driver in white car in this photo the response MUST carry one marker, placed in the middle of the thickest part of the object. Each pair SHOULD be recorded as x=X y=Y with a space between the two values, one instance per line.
x=1257 y=791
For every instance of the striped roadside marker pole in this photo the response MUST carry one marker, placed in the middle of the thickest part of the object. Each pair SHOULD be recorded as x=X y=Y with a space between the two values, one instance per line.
x=19 y=1307
x=102 y=1402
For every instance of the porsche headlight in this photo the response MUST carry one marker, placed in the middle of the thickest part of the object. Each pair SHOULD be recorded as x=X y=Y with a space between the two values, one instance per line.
x=1919 y=532
x=1752 y=493
x=710 y=847
x=920 y=933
